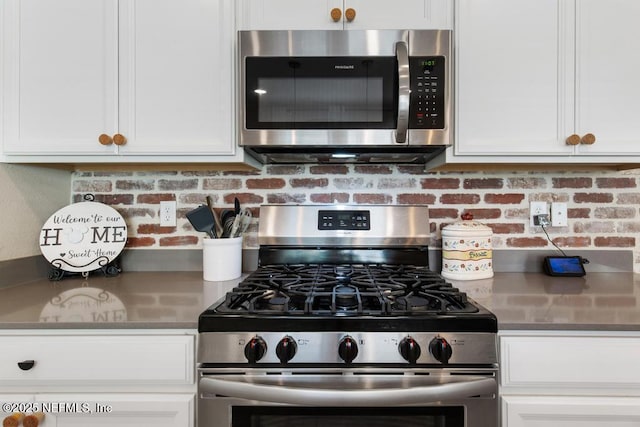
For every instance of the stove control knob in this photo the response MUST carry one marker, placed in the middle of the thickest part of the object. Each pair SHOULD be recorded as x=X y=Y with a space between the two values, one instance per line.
x=440 y=349
x=255 y=349
x=347 y=349
x=286 y=349
x=409 y=350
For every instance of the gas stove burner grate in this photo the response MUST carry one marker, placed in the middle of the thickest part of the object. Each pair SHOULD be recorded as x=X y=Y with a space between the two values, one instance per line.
x=345 y=290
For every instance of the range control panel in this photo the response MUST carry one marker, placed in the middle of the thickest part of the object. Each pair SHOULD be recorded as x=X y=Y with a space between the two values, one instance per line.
x=427 y=100
x=344 y=220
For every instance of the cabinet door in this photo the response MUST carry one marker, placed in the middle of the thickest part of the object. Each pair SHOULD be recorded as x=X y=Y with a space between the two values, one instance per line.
x=59 y=75
x=405 y=14
x=607 y=78
x=288 y=14
x=123 y=410
x=176 y=81
x=563 y=411
x=370 y=14
x=514 y=77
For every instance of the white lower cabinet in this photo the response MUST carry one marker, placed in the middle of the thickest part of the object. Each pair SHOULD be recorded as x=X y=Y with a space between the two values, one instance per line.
x=569 y=379
x=100 y=378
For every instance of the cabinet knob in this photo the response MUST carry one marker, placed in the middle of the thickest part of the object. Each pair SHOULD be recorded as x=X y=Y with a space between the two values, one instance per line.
x=350 y=14
x=119 y=139
x=25 y=365
x=588 y=139
x=105 y=139
x=573 y=139
x=336 y=14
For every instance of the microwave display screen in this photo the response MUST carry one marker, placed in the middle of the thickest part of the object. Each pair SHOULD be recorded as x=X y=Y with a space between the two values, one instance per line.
x=320 y=99
x=321 y=92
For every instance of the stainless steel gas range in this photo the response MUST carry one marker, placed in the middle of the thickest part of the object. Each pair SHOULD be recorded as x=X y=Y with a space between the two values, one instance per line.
x=344 y=324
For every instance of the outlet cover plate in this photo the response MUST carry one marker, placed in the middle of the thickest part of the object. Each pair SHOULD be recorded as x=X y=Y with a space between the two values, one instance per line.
x=168 y=213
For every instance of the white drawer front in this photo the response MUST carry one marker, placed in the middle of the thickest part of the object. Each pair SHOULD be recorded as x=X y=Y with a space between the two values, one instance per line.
x=95 y=359
x=550 y=364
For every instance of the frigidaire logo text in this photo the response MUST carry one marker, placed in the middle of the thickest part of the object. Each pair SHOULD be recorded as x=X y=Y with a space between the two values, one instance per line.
x=343 y=67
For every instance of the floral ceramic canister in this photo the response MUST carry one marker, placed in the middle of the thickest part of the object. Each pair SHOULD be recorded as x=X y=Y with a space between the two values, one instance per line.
x=466 y=250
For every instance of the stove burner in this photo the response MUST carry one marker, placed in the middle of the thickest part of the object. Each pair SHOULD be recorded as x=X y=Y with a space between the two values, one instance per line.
x=346 y=290
x=346 y=297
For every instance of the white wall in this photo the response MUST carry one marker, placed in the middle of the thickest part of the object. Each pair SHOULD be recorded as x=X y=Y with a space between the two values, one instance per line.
x=28 y=197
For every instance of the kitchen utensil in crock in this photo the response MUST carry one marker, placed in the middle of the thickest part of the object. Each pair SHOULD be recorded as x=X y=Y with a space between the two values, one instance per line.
x=202 y=219
x=227 y=217
x=246 y=216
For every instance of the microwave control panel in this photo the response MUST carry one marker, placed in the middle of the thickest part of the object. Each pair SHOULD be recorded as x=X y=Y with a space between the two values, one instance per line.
x=427 y=100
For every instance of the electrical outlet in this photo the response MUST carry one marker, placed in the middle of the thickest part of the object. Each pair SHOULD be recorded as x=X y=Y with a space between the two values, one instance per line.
x=168 y=213
x=536 y=208
x=559 y=214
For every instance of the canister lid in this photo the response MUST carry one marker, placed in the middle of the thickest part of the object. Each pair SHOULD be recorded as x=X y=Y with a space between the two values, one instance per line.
x=467 y=224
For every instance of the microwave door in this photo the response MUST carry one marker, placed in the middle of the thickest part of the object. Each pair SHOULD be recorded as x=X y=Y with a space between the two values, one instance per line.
x=321 y=93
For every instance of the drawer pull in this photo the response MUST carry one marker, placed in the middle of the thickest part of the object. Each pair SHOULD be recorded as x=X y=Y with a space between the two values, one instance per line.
x=25 y=365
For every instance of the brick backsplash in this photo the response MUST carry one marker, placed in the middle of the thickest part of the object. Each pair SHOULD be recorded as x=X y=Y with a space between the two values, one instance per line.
x=603 y=206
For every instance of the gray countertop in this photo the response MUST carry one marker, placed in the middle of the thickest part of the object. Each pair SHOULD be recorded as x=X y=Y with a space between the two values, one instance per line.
x=173 y=300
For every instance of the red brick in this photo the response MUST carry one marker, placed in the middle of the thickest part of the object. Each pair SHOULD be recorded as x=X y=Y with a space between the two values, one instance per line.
x=614 y=212
x=155 y=198
x=265 y=183
x=329 y=169
x=616 y=182
x=629 y=227
x=309 y=182
x=394 y=183
x=179 y=241
x=526 y=242
x=594 y=227
x=147 y=184
x=618 y=242
x=578 y=213
x=373 y=169
x=549 y=197
x=371 y=199
x=93 y=186
x=459 y=199
x=629 y=198
x=197 y=198
x=484 y=213
x=593 y=197
x=504 y=199
x=329 y=198
x=139 y=242
x=177 y=184
x=200 y=173
x=245 y=198
x=571 y=182
x=137 y=212
x=108 y=199
x=411 y=169
x=507 y=228
x=154 y=229
x=572 y=242
x=416 y=199
x=222 y=184
x=351 y=183
x=440 y=183
x=517 y=213
x=286 y=198
x=526 y=183
x=482 y=183
x=285 y=170
x=440 y=213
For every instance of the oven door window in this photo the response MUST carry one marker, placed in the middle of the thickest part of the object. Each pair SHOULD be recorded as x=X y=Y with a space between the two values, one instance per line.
x=321 y=93
x=270 y=416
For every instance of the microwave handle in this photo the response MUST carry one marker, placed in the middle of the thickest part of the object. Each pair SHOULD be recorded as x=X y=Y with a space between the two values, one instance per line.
x=319 y=396
x=402 y=55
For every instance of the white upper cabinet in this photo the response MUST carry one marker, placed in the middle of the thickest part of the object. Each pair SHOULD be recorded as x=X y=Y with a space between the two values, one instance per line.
x=154 y=76
x=344 y=14
x=547 y=80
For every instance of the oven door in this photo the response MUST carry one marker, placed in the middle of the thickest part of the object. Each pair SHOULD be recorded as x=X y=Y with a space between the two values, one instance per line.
x=385 y=399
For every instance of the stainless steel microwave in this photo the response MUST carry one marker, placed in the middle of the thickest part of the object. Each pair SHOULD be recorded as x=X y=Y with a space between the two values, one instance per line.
x=345 y=96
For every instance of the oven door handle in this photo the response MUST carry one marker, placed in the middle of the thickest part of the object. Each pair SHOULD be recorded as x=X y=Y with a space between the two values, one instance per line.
x=402 y=55
x=284 y=394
